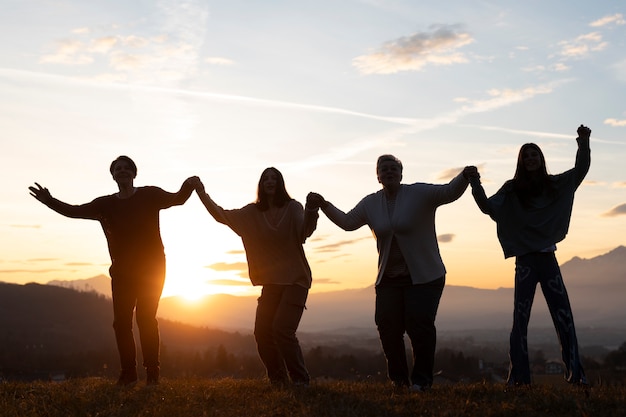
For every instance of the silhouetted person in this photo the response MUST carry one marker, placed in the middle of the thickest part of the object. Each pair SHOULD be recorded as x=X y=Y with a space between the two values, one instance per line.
x=130 y=221
x=273 y=230
x=411 y=273
x=532 y=212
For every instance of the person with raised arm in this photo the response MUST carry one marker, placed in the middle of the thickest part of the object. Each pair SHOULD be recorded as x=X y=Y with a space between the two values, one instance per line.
x=273 y=230
x=130 y=221
x=411 y=273
x=532 y=212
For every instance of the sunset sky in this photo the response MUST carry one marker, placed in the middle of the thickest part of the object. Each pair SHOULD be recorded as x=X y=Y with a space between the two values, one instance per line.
x=318 y=89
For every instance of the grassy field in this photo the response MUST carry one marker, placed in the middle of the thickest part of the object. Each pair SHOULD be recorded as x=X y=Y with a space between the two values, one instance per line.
x=230 y=397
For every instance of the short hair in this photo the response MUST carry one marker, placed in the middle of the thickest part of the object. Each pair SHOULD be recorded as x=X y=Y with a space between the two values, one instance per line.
x=388 y=157
x=125 y=159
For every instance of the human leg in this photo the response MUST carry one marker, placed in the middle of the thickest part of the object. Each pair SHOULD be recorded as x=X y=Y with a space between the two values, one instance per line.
x=525 y=286
x=148 y=297
x=285 y=325
x=558 y=302
x=389 y=318
x=264 y=334
x=124 y=298
x=421 y=302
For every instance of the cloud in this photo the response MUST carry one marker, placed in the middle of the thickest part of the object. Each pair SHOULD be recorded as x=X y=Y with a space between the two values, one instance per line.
x=617 y=19
x=216 y=60
x=333 y=247
x=619 y=184
x=583 y=45
x=41 y=260
x=618 y=210
x=68 y=52
x=445 y=238
x=449 y=173
x=30 y=271
x=326 y=281
x=229 y=282
x=223 y=266
x=615 y=122
x=78 y=264
x=103 y=45
x=413 y=53
x=26 y=226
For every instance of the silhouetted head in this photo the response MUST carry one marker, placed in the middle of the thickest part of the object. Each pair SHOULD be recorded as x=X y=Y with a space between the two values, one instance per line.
x=271 y=186
x=530 y=162
x=126 y=159
x=389 y=170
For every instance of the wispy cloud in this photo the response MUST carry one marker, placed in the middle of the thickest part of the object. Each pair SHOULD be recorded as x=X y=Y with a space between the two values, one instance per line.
x=229 y=282
x=334 y=247
x=615 y=122
x=26 y=226
x=616 y=19
x=224 y=266
x=413 y=53
x=29 y=271
x=583 y=45
x=445 y=237
x=618 y=210
x=216 y=60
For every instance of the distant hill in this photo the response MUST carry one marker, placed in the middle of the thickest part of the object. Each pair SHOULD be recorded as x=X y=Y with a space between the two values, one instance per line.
x=596 y=286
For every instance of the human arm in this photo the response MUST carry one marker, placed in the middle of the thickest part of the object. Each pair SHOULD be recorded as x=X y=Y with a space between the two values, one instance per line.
x=311 y=215
x=347 y=221
x=478 y=192
x=185 y=191
x=83 y=211
x=216 y=211
x=583 y=154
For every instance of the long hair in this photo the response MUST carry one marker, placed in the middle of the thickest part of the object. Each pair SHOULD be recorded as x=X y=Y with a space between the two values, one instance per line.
x=281 y=196
x=526 y=184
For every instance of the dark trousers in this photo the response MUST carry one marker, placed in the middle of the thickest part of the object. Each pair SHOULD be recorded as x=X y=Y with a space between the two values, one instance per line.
x=278 y=315
x=409 y=309
x=137 y=289
x=542 y=268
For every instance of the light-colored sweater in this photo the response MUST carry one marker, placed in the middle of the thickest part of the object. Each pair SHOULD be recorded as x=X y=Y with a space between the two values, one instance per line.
x=412 y=223
x=545 y=221
x=274 y=252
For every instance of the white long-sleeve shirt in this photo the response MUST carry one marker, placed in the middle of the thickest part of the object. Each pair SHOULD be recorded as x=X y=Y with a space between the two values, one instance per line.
x=412 y=223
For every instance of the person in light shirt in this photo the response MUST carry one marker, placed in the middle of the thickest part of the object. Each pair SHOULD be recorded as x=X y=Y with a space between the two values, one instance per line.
x=411 y=273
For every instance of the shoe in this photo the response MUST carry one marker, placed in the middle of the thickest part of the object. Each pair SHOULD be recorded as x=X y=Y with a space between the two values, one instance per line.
x=152 y=375
x=418 y=388
x=127 y=377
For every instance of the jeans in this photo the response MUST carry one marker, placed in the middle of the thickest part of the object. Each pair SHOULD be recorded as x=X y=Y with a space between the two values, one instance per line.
x=409 y=309
x=542 y=268
x=137 y=288
x=278 y=315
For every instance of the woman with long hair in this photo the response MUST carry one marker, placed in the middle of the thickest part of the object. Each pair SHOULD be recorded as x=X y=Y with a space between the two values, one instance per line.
x=273 y=230
x=532 y=212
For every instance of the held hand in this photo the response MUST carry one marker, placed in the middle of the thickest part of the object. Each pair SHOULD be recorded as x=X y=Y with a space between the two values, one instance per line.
x=40 y=193
x=583 y=132
x=471 y=172
x=315 y=201
x=198 y=185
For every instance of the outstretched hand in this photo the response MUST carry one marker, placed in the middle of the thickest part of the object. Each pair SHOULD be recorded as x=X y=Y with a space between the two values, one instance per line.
x=583 y=132
x=40 y=193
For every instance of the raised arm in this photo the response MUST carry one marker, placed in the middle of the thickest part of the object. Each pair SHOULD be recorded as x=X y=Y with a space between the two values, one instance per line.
x=583 y=155
x=347 y=221
x=311 y=215
x=185 y=191
x=83 y=211
x=216 y=211
x=478 y=192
